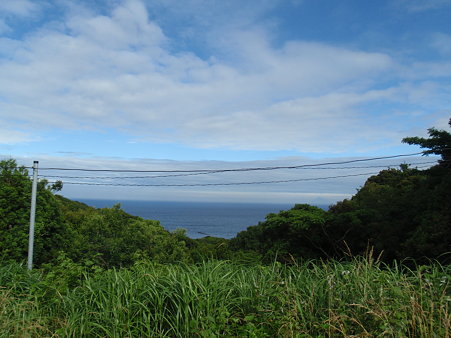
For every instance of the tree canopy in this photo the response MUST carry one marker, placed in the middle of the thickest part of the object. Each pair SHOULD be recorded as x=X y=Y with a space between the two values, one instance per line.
x=108 y=237
x=439 y=143
x=51 y=232
x=398 y=213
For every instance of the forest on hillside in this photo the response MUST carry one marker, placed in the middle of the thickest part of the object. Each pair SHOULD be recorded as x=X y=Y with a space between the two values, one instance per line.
x=366 y=257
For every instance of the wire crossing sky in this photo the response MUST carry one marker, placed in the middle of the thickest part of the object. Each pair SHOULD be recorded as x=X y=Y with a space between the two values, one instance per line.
x=209 y=83
x=222 y=171
x=240 y=169
x=231 y=177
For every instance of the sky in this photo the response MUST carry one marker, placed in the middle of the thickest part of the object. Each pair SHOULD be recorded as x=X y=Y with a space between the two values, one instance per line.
x=170 y=85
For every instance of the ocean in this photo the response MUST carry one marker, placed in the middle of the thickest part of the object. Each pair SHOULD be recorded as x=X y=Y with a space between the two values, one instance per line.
x=200 y=219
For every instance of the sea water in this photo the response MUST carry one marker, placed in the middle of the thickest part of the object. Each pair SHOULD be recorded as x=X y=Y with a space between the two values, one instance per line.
x=200 y=219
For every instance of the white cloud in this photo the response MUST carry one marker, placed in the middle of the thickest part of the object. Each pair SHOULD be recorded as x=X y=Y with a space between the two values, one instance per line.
x=118 y=71
x=211 y=196
x=10 y=136
x=442 y=43
x=114 y=72
x=309 y=124
x=22 y=8
x=128 y=27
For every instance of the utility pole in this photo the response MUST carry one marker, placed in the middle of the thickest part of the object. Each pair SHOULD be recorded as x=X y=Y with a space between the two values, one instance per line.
x=32 y=215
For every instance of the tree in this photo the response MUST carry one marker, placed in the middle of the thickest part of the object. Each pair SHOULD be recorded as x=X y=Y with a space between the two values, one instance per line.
x=57 y=186
x=113 y=238
x=15 y=188
x=439 y=143
x=398 y=213
x=15 y=196
x=298 y=232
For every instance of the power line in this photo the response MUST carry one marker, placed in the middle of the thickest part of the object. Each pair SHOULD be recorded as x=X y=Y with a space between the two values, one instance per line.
x=129 y=177
x=237 y=169
x=220 y=184
x=220 y=171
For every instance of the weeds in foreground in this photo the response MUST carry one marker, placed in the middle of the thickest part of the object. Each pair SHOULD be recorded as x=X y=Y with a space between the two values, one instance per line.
x=314 y=298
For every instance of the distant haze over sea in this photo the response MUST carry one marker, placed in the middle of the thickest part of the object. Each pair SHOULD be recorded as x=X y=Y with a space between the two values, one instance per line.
x=198 y=218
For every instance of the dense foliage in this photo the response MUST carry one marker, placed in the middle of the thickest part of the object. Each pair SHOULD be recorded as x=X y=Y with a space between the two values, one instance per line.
x=51 y=230
x=400 y=214
x=299 y=232
x=111 y=237
x=104 y=237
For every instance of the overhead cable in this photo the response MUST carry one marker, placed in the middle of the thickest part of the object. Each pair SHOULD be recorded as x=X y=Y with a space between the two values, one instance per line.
x=220 y=184
x=215 y=172
x=237 y=169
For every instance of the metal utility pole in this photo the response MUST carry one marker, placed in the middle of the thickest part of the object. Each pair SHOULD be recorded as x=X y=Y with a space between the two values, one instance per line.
x=32 y=215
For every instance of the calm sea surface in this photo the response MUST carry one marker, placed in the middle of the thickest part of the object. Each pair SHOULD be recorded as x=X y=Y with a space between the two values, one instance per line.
x=198 y=218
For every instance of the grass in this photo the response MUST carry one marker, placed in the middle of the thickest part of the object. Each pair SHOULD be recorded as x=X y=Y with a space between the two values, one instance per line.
x=218 y=298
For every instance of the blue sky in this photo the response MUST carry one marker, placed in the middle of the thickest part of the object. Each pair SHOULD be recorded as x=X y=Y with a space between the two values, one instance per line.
x=125 y=82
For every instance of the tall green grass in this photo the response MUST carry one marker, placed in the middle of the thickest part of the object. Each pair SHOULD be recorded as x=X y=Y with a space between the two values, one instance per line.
x=358 y=298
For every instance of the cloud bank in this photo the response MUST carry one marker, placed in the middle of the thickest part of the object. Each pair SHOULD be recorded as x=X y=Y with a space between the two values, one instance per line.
x=118 y=68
